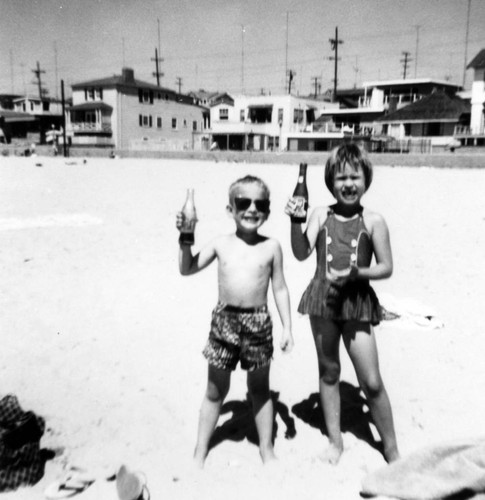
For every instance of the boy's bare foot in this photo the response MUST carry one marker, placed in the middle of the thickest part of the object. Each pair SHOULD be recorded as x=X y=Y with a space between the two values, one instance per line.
x=333 y=453
x=268 y=455
x=199 y=459
x=391 y=455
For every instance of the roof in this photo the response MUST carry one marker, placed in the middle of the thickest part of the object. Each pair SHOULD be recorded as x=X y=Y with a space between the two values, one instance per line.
x=126 y=79
x=437 y=106
x=86 y=106
x=478 y=61
x=15 y=116
x=408 y=82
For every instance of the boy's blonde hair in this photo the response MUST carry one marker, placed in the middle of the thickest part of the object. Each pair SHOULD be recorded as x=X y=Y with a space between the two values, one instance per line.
x=248 y=179
x=349 y=153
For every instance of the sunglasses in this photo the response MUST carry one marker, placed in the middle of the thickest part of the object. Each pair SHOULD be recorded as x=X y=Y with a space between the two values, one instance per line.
x=244 y=203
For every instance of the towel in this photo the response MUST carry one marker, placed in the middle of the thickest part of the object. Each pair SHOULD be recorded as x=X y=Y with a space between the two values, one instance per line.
x=435 y=472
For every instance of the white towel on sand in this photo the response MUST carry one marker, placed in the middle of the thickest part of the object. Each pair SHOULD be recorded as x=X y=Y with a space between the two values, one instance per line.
x=434 y=472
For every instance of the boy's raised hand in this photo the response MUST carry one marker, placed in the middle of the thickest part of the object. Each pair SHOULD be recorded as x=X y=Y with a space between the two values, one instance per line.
x=179 y=220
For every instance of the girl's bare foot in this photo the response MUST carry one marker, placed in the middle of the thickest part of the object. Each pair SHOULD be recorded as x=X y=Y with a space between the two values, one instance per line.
x=333 y=453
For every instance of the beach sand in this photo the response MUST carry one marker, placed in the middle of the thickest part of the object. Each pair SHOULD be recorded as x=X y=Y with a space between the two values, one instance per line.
x=103 y=337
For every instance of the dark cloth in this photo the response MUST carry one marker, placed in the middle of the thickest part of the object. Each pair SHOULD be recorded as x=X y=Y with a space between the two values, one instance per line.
x=21 y=461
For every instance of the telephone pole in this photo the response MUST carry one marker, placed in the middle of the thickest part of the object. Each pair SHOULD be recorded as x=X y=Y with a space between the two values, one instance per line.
x=335 y=42
x=466 y=41
x=157 y=73
x=405 y=63
x=179 y=83
x=416 y=54
x=291 y=75
x=37 y=72
x=316 y=83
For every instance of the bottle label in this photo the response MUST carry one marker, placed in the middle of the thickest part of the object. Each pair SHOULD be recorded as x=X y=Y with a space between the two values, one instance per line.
x=300 y=207
x=188 y=226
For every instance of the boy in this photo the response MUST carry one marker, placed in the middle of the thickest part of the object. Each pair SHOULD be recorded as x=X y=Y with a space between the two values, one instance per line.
x=241 y=327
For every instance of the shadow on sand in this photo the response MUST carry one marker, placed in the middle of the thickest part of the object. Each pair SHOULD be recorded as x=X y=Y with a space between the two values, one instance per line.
x=241 y=424
x=354 y=418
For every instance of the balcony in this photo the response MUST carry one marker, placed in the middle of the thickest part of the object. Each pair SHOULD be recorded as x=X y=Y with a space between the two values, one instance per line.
x=91 y=128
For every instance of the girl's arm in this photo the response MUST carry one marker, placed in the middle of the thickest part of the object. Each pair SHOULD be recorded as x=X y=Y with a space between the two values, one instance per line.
x=382 y=251
x=303 y=243
x=282 y=298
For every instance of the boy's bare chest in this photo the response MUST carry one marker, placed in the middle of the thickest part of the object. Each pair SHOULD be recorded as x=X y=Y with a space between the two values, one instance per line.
x=248 y=259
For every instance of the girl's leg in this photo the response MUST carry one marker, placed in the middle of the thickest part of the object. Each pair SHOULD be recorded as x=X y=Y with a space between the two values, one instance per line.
x=361 y=345
x=217 y=388
x=258 y=387
x=326 y=334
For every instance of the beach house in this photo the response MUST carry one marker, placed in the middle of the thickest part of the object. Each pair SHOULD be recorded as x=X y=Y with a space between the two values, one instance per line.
x=123 y=113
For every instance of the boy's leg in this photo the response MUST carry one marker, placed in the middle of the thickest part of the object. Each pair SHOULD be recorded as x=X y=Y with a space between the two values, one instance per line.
x=361 y=345
x=258 y=387
x=217 y=388
x=326 y=335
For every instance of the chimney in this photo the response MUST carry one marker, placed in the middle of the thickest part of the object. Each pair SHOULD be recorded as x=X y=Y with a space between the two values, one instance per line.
x=128 y=75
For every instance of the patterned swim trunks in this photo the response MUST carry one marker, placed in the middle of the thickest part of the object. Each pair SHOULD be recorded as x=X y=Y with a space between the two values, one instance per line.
x=240 y=334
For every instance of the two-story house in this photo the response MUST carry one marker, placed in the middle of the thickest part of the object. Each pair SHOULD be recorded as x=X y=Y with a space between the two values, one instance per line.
x=124 y=113
x=267 y=123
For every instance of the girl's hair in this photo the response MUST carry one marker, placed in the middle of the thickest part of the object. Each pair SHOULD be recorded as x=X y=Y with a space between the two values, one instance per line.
x=248 y=179
x=349 y=153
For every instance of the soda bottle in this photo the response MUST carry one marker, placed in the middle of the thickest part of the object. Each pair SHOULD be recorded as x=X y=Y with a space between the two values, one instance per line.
x=300 y=195
x=189 y=220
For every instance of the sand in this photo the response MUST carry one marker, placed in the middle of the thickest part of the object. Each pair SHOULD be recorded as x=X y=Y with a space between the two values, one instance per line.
x=103 y=337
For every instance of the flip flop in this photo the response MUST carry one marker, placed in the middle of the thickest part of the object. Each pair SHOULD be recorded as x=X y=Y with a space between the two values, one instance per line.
x=131 y=485
x=69 y=486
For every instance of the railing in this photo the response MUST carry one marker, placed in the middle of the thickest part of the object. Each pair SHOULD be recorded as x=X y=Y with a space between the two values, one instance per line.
x=91 y=127
x=462 y=130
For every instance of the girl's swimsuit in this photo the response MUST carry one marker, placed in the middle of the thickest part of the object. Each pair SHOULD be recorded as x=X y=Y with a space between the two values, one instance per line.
x=341 y=244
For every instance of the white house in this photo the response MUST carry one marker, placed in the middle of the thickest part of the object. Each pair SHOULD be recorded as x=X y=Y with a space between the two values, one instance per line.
x=477 y=121
x=267 y=122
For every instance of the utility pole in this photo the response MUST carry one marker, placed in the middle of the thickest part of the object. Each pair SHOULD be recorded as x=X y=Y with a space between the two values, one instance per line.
x=179 y=83
x=316 y=84
x=291 y=75
x=335 y=42
x=405 y=62
x=242 y=58
x=466 y=41
x=157 y=73
x=37 y=72
x=64 y=141
x=416 y=54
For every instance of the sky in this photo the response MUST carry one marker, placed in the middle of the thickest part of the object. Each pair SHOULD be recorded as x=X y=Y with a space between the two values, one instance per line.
x=237 y=46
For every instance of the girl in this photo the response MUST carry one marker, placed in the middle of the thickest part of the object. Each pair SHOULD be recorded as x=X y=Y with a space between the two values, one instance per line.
x=339 y=299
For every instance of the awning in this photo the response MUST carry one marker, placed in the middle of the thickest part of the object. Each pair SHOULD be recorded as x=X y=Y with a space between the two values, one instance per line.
x=260 y=106
x=91 y=106
x=16 y=117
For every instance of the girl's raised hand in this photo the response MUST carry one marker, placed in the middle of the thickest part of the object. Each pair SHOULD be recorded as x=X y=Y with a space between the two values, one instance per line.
x=290 y=207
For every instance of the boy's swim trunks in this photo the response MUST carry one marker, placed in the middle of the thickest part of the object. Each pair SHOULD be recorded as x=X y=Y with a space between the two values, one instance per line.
x=239 y=334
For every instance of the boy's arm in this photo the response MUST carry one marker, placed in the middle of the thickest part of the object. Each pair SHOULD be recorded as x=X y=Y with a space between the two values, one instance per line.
x=191 y=264
x=282 y=298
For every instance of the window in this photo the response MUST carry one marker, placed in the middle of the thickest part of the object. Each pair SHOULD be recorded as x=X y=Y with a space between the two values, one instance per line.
x=280 y=115
x=174 y=123
x=99 y=94
x=145 y=120
x=31 y=106
x=45 y=105
x=194 y=126
x=91 y=94
x=223 y=114
x=145 y=96
x=241 y=115
x=297 y=116
x=185 y=123
x=159 y=122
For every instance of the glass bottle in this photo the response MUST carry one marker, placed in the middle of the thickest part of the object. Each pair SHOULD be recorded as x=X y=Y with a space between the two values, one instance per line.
x=300 y=196
x=189 y=220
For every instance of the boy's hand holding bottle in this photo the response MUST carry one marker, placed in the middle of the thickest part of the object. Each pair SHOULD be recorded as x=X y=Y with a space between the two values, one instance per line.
x=186 y=220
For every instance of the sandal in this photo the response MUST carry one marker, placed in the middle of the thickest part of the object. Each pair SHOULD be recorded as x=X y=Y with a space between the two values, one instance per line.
x=131 y=485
